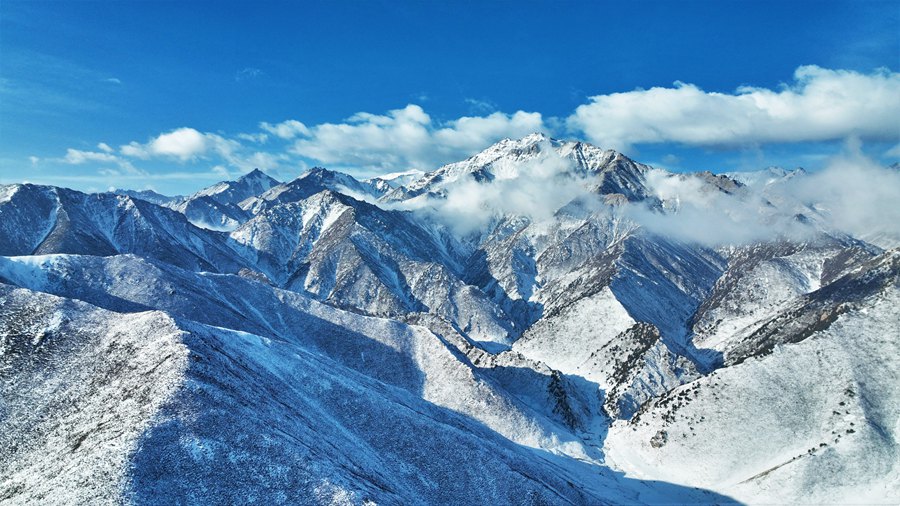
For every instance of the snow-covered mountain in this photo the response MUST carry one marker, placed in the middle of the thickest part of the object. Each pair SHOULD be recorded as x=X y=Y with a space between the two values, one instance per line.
x=537 y=323
x=217 y=207
x=148 y=195
x=37 y=220
x=765 y=177
x=537 y=155
x=308 y=184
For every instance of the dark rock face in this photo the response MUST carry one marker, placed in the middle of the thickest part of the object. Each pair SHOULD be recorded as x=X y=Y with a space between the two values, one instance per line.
x=816 y=311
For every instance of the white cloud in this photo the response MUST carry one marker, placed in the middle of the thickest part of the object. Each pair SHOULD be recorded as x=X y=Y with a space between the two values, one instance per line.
x=856 y=195
x=221 y=171
x=113 y=80
x=852 y=194
x=183 y=144
x=541 y=186
x=135 y=150
x=286 y=129
x=34 y=160
x=104 y=147
x=408 y=138
x=820 y=105
x=78 y=157
x=257 y=138
x=696 y=212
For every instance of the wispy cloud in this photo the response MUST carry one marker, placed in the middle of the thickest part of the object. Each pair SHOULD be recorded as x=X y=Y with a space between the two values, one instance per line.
x=894 y=152
x=259 y=138
x=41 y=84
x=248 y=73
x=477 y=106
x=77 y=157
x=115 y=177
x=80 y=157
x=113 y=80
x=286 y=129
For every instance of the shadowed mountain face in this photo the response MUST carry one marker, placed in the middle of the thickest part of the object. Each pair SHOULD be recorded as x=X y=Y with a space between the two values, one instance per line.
x=36 y=220
x=513 y=327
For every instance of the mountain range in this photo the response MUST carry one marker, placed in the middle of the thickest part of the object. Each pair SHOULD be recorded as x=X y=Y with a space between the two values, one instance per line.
x=545 y=322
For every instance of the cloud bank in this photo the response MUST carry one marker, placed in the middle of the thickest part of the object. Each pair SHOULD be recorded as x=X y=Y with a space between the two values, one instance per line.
x=407 y=138
x=857 y=196
x=819 y=105
x=851 y=195
x=544 y=184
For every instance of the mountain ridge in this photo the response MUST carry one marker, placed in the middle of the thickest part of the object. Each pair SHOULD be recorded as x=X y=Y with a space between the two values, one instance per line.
x=525 y=304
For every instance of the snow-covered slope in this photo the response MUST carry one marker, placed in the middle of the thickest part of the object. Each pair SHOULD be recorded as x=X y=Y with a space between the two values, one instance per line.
x=809 y=414
x=356 y=255
x=537 y=323
x=308 y=184
x=148 y=195
x=80 y=386
x=603 y=171
x=43 y=219
x=216 y=207
x=297 y=411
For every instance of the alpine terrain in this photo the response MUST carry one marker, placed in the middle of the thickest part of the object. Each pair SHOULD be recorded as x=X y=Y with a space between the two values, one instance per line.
x=545 y=322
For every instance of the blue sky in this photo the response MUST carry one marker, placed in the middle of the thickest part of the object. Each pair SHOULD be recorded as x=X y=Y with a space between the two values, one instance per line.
x=177 y=95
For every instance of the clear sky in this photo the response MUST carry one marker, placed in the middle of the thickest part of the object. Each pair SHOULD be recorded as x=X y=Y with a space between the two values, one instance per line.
x=177 y=95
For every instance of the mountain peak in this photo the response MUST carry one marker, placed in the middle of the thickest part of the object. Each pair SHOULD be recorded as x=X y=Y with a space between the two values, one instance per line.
x=318 y=172
x=257 y=176
x=534 y=137
x=509 y=144
x=253 y=174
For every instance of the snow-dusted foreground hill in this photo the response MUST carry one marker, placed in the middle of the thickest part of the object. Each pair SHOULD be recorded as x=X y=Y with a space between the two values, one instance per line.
x=334 y=341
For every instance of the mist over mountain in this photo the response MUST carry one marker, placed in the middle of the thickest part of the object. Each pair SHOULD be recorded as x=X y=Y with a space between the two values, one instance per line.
x=545 y=322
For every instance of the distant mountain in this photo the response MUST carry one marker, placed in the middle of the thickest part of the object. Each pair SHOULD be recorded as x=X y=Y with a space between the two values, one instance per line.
x=385 y=183
x=541 y=322
x=217 y=207
x=148 y=195
x=762 y=178
x=39 y=220
x=308 y=184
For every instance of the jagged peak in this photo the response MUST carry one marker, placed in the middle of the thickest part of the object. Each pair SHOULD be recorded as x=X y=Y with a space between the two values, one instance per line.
x=317 y=171
x=510 y=144
x=256 y=174
x=326 y=176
